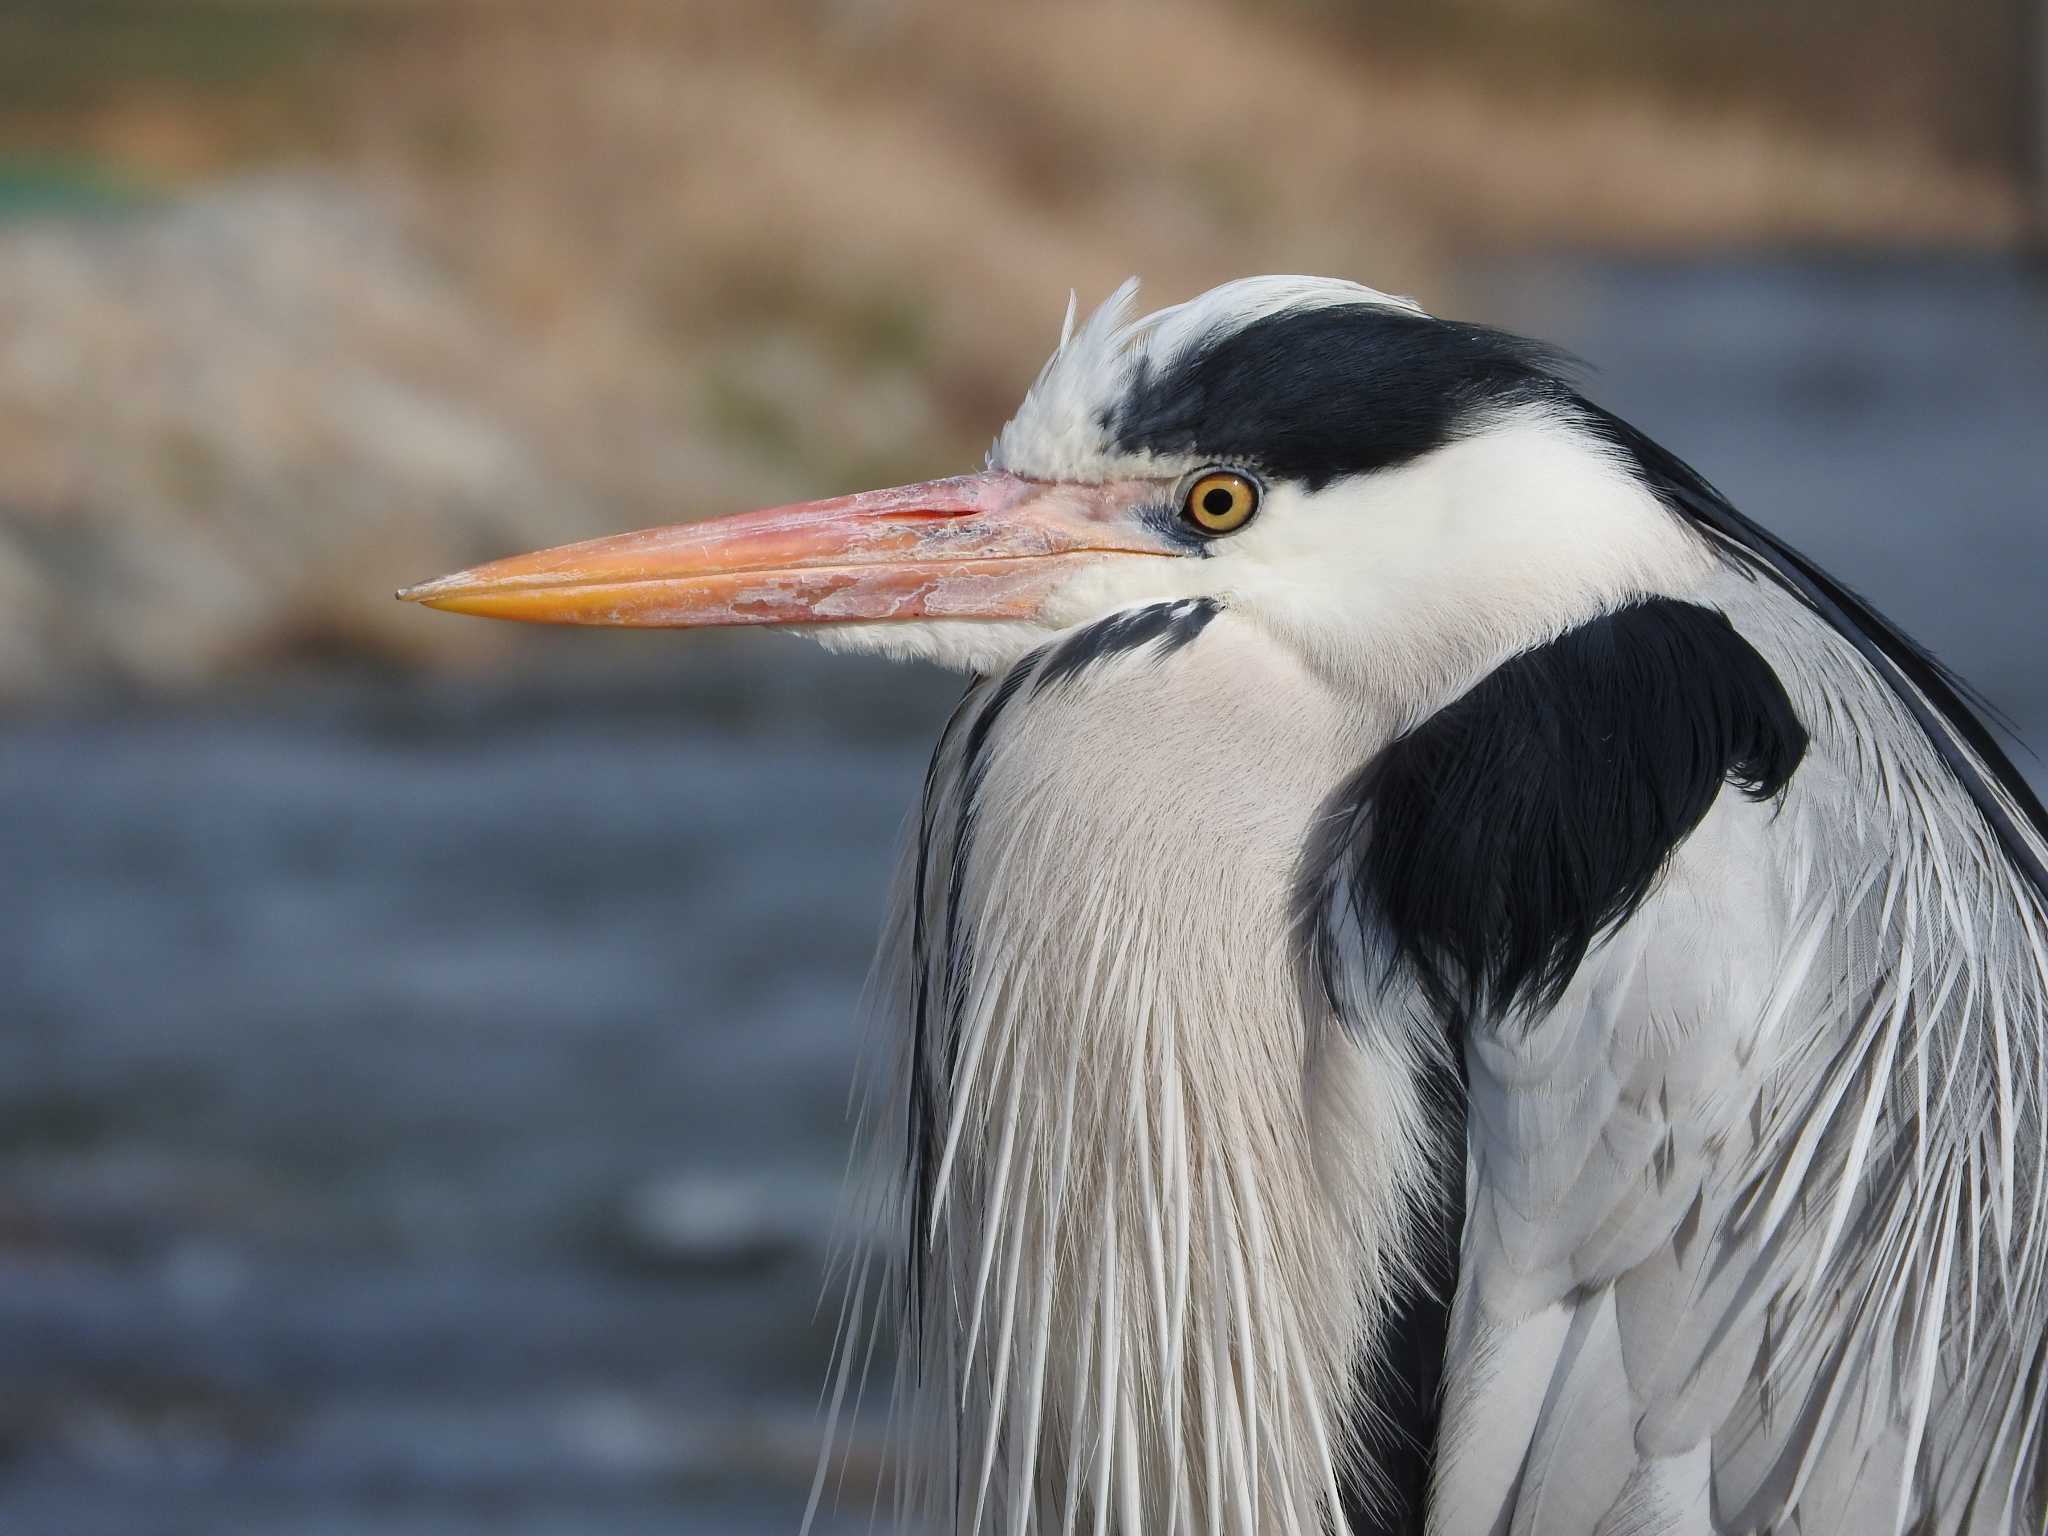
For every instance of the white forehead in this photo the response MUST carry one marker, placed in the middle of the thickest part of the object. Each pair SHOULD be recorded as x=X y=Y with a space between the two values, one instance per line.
x=1058 y=432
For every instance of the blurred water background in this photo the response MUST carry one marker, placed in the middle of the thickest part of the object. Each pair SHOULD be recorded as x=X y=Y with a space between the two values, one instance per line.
x=425 y=1045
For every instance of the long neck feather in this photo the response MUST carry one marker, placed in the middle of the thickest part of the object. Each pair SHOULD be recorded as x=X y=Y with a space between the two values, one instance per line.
x=1139 y=1298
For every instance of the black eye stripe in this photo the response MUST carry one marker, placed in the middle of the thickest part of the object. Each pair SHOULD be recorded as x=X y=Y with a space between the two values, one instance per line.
x=1313 y=395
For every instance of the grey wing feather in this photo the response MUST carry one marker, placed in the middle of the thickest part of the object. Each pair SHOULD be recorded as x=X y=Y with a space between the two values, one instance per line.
x=1753 y=1234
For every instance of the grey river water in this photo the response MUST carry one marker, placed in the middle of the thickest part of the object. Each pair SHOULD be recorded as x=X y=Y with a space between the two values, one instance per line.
x=421 y=1104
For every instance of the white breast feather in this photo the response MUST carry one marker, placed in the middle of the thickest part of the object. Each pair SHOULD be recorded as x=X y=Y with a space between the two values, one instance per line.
x=1146 y=1294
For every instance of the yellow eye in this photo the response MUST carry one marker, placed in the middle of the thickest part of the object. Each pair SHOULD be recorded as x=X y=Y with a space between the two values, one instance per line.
x=1220 y=502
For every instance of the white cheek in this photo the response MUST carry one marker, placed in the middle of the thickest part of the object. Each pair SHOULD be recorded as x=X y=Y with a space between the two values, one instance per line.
x=1417 y=580
x=963 y=645
x=1106 y=586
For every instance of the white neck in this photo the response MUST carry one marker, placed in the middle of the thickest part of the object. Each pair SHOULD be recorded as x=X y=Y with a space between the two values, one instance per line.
x=1144 y=1299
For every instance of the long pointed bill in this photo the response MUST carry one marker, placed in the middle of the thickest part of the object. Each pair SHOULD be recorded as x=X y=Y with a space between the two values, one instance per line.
x=987 y=546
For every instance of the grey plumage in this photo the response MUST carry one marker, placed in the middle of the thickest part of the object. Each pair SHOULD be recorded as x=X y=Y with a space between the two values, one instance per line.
x=1482 y=844
x=1789 y=1207
x=1750 y=1246
x=1752 y=1213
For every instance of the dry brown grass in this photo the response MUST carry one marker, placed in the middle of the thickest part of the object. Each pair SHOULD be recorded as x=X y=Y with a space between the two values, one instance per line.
x=717 y=167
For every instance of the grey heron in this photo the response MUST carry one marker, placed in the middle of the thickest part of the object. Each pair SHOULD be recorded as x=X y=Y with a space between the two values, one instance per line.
x=1443 y=979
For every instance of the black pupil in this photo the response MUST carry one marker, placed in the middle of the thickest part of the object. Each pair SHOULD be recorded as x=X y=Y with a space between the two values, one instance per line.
x=1218 y=501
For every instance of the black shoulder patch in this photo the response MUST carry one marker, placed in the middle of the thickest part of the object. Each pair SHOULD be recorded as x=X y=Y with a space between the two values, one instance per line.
x=1491 y=846
x=1950 y=713
x=1316 y=394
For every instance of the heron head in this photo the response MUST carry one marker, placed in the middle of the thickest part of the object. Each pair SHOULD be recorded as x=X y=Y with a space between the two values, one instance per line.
x=1388 y=493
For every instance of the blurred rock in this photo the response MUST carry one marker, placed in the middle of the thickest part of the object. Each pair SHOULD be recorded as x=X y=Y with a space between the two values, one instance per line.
x=231 y=425
x=228 y=425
